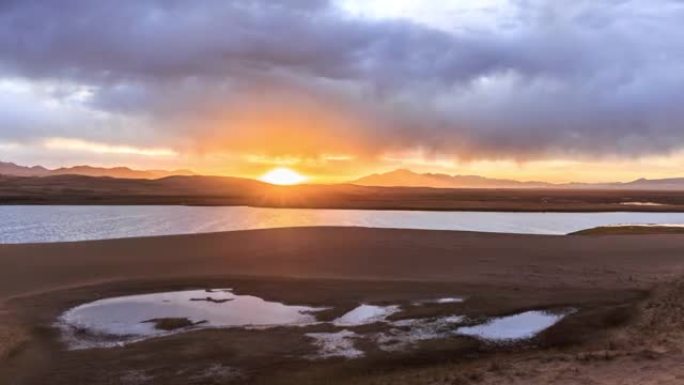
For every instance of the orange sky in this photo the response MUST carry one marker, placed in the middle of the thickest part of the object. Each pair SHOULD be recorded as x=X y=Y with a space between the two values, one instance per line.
x=341 y=166
x=323 y=144
x=543 y=91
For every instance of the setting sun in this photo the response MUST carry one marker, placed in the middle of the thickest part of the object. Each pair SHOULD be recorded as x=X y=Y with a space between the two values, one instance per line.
x=283 y=176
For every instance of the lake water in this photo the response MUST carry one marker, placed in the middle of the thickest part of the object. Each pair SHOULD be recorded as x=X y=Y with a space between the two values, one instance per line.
x=26 y=224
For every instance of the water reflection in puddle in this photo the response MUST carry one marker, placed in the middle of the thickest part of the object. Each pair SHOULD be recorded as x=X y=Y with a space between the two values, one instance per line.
x=366 y=314
x=514 y=327
x=641 y=204
x=339 y=344
x=405 y=333
x=440 y=301
x=117 y=320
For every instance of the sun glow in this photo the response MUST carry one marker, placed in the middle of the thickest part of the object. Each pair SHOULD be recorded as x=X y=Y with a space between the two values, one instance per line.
x=283 y=176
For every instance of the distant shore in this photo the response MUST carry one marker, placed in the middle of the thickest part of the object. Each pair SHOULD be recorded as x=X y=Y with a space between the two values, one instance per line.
x=218 y=191
x=633 y=230
x=511 y=207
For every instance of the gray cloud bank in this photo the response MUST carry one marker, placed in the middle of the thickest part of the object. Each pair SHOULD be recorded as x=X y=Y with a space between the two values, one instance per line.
x=583 y=79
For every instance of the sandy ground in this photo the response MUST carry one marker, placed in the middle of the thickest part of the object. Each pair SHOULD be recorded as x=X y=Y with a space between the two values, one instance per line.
x=629 y=329
x=637 y=229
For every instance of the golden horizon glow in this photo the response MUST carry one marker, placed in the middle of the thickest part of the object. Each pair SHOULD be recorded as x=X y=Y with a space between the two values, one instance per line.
x=340 y=166
x=283 y=176
x=71 y=144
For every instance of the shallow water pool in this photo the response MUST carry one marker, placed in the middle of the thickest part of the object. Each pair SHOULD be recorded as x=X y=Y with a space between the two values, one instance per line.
x=118 y=320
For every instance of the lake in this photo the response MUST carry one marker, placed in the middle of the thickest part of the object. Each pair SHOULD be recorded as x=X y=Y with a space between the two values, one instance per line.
x=28 y=224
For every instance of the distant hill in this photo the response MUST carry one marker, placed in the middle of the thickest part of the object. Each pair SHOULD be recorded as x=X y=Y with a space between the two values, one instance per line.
x=396 y=178
x=213 y=190
x=655 y=184
x=408 y=178
x=7 y=168
x=84 y=189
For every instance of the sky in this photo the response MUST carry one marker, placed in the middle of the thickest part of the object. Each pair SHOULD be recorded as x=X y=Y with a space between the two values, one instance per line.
x=336 y=89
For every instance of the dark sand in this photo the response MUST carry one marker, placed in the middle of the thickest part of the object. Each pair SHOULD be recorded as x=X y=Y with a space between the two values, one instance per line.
x=624 y=230
x=627 y=287
x=350 y=253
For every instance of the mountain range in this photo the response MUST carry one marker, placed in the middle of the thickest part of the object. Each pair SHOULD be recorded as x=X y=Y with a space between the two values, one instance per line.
x=408 y=178
x=230 y=191
x=8 y=168
x=395 y=178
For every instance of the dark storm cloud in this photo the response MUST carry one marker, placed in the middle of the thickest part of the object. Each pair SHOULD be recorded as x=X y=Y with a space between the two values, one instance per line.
x=585 y=78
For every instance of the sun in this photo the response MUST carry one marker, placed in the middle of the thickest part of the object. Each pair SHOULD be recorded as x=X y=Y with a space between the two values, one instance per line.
x=283 y=176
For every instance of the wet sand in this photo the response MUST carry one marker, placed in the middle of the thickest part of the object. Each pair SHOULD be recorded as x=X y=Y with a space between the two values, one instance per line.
x=623 y=285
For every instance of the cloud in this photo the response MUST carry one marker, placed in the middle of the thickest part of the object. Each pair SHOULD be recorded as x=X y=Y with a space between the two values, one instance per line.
x=574 y=79
x=104 y=148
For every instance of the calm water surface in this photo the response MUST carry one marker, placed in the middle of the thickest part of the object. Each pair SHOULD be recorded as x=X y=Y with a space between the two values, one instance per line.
x=26 y=224
x=111 y=321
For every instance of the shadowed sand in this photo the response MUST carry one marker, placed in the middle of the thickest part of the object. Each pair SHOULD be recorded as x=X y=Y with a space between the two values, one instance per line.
x=634 y=230
x=349 y=253
x=39 y=280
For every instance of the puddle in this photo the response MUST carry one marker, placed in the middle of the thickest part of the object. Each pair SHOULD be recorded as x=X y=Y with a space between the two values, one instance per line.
x=439 y=301
x=339 y=344
x=642 y=204
x=114 y=321
x=449 y=300
x=648 y=225
x=366 y=314
x=406 y=333
x=120 y=320
x=514 y=327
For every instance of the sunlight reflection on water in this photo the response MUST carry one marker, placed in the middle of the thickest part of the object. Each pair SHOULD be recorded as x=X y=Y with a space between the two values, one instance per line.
x=116 y=320
x=25 y=224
